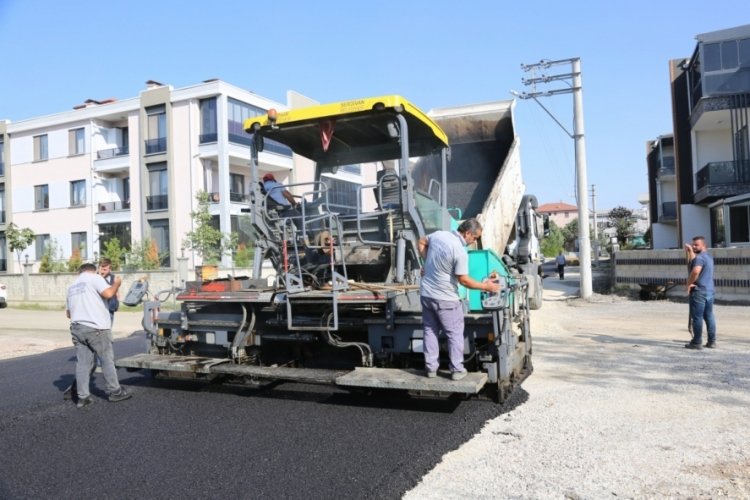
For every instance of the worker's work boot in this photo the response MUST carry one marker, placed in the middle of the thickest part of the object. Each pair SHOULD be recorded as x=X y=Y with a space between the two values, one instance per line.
x=71 y=392
x=120 y=395
x=84 y=403
x=458 y=375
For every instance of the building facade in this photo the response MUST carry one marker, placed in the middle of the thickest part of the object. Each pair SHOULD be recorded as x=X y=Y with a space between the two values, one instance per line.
x=560 y=213
x=662 y=185
x=130 y=169
x=711 y=116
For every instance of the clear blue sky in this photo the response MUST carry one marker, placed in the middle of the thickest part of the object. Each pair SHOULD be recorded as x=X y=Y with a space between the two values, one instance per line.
x=434 y=52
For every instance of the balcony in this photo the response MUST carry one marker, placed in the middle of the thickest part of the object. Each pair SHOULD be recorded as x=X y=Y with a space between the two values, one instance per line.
x=238 y=197
x=112 y=152
x=112 y=160
x=207 y=138
x=113 y=206
x=158 y=145
x=233 y=197
x=157 y=202
x=665 y=172
x=668 y=212
x=722 y=179
x=269 y=145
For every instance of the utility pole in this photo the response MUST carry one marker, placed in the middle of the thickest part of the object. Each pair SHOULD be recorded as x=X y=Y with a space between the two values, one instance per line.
x=575 y=88
x=595 y=244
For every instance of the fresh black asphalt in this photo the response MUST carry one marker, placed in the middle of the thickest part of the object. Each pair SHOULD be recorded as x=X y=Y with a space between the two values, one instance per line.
x=197 y=440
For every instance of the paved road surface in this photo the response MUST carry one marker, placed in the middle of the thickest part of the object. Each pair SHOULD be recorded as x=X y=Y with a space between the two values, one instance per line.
x=193 y=440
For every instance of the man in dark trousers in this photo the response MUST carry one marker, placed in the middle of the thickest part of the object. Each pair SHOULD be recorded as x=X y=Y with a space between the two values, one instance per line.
x=700 y=288
x=446 y=265
x=90 y=328
x=560 y=261
x=105 y=271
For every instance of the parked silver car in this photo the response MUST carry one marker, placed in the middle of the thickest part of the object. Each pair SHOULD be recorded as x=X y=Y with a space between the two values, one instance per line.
x=3 y=295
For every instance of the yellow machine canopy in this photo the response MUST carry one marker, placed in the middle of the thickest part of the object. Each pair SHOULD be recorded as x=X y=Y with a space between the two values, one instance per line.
x=349 y=132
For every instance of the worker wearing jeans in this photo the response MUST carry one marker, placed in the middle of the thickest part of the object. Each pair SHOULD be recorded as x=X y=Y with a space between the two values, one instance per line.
x=90 y=329
x=446 y=265
x=700 y=288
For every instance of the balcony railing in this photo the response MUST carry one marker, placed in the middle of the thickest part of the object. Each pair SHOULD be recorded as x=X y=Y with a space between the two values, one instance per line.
x=157 y=202
x=721 y=179
x=269 y=145
x=665 y=171
x=158 y=145
x=206 y=138
x=668 y=210
x=113 y=206
x=237 y=197
x=724 y=172
x=111 y=153
x=233 y=197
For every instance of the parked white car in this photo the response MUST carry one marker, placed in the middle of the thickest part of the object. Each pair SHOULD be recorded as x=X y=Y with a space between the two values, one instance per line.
x=3 y=295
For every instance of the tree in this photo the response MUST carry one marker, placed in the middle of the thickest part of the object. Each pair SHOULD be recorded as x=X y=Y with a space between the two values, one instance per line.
x=50 y=262
x=553 y=242
x=205 y=239
x=19 y=239
x=143 y=255
x=75 y=261
x=621 y=219
x=570 y=235
x=114 y=252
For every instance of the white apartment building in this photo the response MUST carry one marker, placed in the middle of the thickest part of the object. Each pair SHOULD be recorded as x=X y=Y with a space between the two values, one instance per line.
x=130 y=169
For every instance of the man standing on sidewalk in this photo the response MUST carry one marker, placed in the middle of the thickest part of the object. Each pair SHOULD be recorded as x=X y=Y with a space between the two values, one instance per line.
x=446 y=265
x=90 y=327
x=700 y=288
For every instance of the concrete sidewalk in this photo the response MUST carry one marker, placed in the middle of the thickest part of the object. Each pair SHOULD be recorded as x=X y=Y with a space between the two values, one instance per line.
x=26 y=332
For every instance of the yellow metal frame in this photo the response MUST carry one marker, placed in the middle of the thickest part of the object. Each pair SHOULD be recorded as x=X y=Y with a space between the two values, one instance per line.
x=346 y=108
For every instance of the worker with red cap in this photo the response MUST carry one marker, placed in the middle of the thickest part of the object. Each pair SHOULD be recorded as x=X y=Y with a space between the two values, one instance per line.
x=277 y=192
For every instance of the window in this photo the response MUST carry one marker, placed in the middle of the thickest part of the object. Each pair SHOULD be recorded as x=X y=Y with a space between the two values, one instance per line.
x=3 y=255
x=739 y=224
x=729 y=56
x=78 y=242
x=126 y=193
x=2 y=158
x=744 y=53
x=718 y=238
x=236 y=187
x=117 y=231
x=76 y=142
x=158 y=185
x=237 y=113
x=2 y=203
x=208 y=120
x=40 y=148
x=352 y=169
x=78 y=193
x=41 y=197
x=342 y=195
x=160 y=237
x=41 y=244
x=156 y=129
